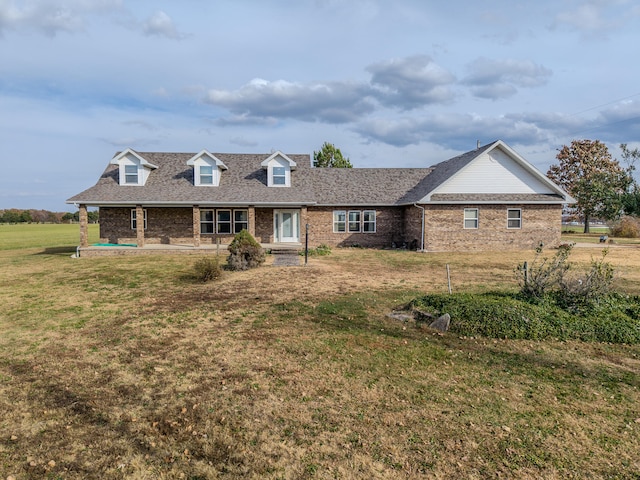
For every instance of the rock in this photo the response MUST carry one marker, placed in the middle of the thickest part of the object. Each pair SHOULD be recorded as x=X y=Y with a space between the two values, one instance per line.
x=421 y=316
x=441 y=323
x=403 y=317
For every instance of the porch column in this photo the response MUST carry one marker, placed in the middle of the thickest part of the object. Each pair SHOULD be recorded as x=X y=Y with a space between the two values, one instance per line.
x=304 y=219
x=140 y=226
x=196 y=225
x=252 y=221
x=84 y=226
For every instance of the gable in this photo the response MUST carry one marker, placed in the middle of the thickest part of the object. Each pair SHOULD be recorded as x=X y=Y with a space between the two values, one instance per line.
x=278 y=167
x=495 y=171
x=133 y=168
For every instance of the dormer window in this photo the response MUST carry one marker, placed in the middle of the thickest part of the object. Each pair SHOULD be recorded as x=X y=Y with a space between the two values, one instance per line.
x=133 y=168
x=279 y=168
x=131 y=174
x=206 y=175
x=279 y=175
x=206 y=169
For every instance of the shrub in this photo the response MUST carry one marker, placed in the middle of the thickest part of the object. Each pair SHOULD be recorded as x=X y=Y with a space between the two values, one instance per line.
x=320 y=250
x=544 y=273
x=502 y=315
x=590 y=287
x=627 y=227
x=244 y=252
x=207 y=269
x=558 y=278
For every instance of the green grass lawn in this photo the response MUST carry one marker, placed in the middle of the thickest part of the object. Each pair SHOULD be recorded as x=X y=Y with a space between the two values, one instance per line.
x=38 y=235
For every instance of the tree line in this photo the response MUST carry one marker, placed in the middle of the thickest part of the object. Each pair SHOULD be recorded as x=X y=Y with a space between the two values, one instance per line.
x=14 y=215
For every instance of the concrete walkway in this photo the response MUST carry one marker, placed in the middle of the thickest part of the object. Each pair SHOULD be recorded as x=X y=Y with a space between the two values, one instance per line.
x=286 y=259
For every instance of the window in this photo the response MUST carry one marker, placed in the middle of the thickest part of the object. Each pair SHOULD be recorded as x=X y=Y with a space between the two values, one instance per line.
x=369 y=221
x=470 y=218
x=221 y=221
x=131 y=174
x=514 y=218
x=207 y=221
x=240 y=220
x=339 y=221
x=224 y=221
x=279 y=176
x=354 y=221
x=206 y=175
x=134 y=222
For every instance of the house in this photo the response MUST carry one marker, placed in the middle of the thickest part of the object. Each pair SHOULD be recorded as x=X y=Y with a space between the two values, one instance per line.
x=488 y=198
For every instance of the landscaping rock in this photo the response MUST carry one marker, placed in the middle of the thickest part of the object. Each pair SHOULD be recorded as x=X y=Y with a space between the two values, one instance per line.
x=441 y=323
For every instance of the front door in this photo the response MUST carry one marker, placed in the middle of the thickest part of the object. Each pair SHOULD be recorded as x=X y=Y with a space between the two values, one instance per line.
x=286 y=225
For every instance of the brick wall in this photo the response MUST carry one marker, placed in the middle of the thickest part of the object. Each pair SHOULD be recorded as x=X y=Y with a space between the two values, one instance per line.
x=394 y=226
x=264 y=225
x=389 y=228
x=444 y=228
x=164 y=226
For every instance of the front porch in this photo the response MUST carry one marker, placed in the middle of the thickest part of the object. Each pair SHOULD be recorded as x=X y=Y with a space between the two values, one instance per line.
x=191 y=229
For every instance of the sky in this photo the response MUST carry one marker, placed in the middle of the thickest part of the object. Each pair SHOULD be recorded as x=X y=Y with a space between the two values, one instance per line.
x=403 y=83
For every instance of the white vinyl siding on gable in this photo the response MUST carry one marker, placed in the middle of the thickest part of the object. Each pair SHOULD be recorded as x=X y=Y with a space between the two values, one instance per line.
x=494 y=172
x=278 y=168
x=133 y=170
x=206 y=169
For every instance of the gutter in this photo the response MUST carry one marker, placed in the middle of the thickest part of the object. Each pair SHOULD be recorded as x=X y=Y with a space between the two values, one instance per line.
x=422 y=235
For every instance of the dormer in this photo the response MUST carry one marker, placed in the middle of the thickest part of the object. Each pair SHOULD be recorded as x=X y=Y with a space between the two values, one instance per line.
x=278 y=167
x=134 y=170
x=206 y=169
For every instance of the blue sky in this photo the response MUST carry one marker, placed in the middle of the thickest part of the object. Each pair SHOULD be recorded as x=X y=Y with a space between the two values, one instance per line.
x=398 y=84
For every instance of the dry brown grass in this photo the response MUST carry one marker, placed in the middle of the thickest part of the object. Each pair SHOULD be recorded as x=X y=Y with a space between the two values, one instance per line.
x=127 y=368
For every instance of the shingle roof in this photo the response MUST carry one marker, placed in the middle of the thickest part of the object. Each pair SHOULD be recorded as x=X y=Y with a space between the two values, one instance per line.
x=245 y=183
x=368 y=186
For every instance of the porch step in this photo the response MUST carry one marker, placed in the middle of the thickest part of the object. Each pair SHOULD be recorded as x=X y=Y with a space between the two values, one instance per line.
x=285 y=251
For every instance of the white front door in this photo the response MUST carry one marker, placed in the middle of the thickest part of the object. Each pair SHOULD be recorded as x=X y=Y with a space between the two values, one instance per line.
x=286 y=225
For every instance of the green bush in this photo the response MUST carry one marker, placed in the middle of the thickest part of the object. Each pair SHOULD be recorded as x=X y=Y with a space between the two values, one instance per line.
x=207 y=269
x=616 y=319
x=244 y=252
x=320 y=250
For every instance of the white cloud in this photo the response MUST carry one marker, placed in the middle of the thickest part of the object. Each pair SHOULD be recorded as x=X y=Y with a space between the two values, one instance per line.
x=499 y=78
x=50 y=17
x=329 y=102
x=161 y=24
x=411 y=82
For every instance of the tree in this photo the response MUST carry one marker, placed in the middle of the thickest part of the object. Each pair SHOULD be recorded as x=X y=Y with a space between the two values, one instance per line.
x=597 y=181
x=631 y=199
x=330 y=156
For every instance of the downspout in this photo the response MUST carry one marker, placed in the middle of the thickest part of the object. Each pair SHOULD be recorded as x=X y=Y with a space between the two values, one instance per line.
x=421 y=236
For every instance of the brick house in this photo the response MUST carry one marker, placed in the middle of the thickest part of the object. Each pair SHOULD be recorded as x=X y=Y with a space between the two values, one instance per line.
x=488 y=198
